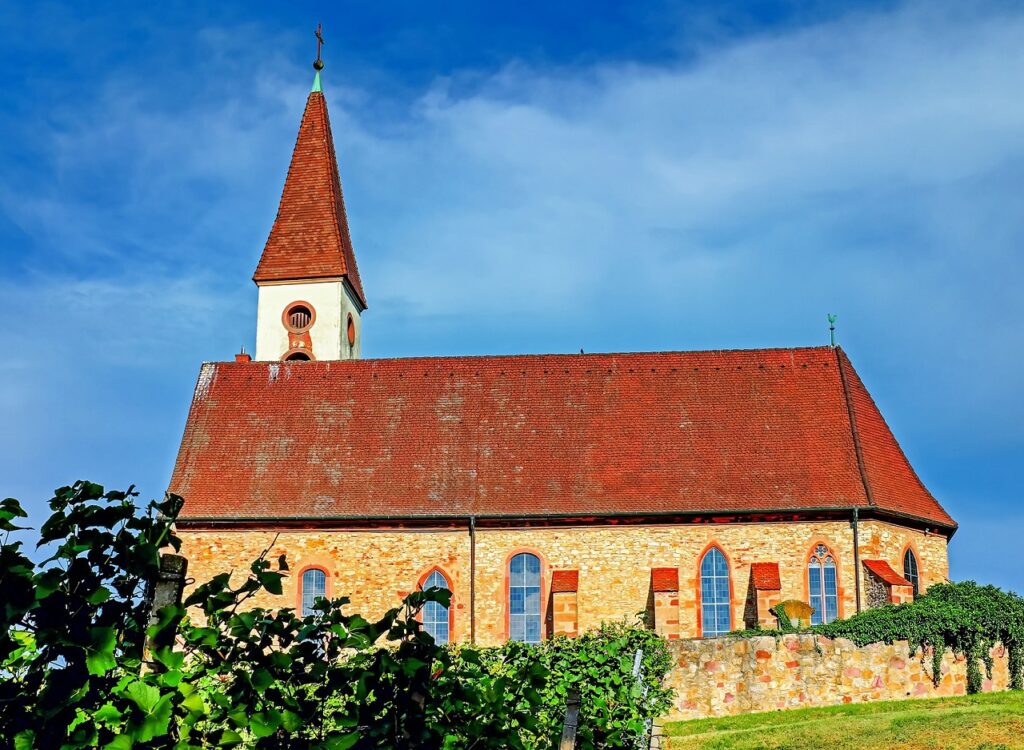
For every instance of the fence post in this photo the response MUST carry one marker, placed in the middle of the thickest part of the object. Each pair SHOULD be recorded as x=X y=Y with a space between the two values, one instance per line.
x=166 y=589
x=572 y=717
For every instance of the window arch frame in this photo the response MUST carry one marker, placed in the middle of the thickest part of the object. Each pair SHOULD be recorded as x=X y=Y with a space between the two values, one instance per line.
x=700 y=589
x=301 y=584
x=545 y=590
x=286 y=315
x=451 y=605
x=807 y=559
x=916 y=581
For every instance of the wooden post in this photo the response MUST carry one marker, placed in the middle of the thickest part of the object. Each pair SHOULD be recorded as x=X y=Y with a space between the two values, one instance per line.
x=170 y=583
x=166 y=589
x=572 y=717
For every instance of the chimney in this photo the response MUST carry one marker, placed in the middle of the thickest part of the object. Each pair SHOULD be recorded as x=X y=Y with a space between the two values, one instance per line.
x=242 y=356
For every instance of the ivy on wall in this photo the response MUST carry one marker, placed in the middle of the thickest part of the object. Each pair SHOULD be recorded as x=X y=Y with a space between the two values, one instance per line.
x=967 y=618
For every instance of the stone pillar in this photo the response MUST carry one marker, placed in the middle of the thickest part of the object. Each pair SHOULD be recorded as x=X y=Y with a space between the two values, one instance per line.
x=665 y=590
x=564 y=610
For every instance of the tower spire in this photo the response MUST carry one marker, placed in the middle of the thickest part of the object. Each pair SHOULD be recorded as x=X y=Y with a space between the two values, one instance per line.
x=310 y=294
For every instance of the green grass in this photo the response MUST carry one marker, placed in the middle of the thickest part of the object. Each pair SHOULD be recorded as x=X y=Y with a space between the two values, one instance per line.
x=994 y=721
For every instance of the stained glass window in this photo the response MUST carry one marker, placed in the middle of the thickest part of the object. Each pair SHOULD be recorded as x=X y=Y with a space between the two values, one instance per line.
x=435 y=614
x=524 y=598
x=910 y=571
x=823 y=585
x=714 y=594
x=314 y=586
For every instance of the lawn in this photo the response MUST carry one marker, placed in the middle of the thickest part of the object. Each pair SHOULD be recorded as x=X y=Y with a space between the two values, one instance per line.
x=983 y=722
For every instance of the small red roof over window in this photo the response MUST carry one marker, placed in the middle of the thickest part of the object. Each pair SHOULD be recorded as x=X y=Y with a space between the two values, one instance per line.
x=665 y=579
x=883 y=570
x=564 y=580
x=765 y=576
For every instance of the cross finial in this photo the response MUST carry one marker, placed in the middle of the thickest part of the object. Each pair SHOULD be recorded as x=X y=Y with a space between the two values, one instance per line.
x=318 y=64
x=832 y=329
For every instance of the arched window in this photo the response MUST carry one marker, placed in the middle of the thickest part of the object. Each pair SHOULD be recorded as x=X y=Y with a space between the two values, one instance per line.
x=524 y=598
x=297 y=357
x=714 y=594
x=435 y=614
x=314 y=586
x=910 y=570
x=822 y=585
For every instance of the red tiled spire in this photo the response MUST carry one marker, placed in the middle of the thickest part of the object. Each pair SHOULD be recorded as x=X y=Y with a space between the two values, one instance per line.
x=310 y=238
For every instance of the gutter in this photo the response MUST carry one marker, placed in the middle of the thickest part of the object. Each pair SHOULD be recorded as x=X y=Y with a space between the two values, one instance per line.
x=856 y=555
x=472 y=579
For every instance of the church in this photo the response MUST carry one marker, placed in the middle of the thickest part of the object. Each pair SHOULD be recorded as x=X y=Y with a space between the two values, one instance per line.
x=548 y=492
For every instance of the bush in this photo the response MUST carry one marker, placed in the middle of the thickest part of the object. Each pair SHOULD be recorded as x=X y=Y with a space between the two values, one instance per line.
x=82 y=667
x=616 y=707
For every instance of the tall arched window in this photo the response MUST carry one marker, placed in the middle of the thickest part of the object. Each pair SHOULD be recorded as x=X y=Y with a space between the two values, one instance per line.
x=910 y=570
x=314 y=586
x=822 y=585
x=435 y=614
x=714 y=594
x=524 y=598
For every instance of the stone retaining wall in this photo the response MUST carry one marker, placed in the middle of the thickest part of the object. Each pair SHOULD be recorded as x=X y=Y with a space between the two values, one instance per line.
x=726 y=676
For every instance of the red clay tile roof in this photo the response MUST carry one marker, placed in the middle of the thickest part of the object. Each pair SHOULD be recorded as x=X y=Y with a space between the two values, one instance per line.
x=884 y=570
x=765 y=576
x=762 y=431
x=664 y=579
x=564 y=580
x=310 y=238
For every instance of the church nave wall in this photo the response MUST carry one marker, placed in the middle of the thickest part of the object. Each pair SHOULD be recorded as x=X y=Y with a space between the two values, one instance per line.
x=376 y=568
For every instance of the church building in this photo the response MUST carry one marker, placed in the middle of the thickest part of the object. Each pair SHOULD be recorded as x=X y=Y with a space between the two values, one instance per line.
x=548 y=492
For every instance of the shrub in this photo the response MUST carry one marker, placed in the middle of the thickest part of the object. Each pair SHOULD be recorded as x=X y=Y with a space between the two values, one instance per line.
x=616 y=707
x=81 y=667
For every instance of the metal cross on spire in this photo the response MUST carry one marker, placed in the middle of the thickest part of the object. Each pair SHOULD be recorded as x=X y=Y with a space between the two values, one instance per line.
x=318 y=64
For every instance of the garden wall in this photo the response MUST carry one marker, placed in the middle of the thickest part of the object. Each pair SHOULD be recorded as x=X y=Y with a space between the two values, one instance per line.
x=726 y=676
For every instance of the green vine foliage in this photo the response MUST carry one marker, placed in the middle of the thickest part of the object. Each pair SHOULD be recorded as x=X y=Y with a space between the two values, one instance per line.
x=82 y=667
x=615 y=705
x=968 y=618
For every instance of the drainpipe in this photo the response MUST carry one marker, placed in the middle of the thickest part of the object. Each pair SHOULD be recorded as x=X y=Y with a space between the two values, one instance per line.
x=856 y=554
x=472 y=579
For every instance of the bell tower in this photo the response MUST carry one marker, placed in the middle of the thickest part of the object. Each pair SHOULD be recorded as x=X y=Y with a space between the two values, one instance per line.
x=310 y=297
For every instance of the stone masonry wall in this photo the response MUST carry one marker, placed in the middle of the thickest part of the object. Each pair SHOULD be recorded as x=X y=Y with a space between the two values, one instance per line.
x=377 y=568
x=726 y=676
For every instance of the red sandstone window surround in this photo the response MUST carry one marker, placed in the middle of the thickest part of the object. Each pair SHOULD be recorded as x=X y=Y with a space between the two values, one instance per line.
x=314 y=583
x=823 y=585
x=714 y=593
x=526 y=595
x=437 y=619
x=298 y=317
x=910 y=570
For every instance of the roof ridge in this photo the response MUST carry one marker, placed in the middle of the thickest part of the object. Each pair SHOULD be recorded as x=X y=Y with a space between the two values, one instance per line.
x=551 y=355
x=858 y=449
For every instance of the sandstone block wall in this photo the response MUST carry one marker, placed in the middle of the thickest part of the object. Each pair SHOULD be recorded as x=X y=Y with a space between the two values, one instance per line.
x=726 y=676
x=377 y=568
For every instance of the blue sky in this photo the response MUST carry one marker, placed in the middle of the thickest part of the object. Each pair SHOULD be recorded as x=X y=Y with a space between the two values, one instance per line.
x=523 y=177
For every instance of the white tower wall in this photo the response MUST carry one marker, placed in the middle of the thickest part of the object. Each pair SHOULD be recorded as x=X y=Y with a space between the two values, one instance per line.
x=332 y=302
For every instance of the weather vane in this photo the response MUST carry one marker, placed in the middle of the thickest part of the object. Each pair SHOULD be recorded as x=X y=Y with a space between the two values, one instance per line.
x=832 y=329
x=318 y=65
